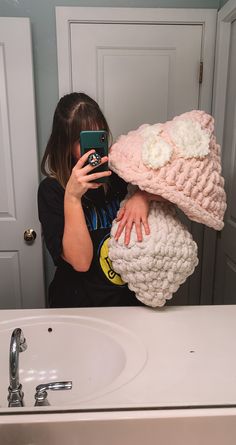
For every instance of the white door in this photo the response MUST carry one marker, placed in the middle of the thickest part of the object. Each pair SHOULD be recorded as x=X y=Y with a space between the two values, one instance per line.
x=142 y=66
x=21 y=265
x=137 y=73
x=225 y=281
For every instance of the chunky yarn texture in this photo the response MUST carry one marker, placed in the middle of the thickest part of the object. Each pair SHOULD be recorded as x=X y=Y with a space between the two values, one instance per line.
x=156 y=267
x=178 y=160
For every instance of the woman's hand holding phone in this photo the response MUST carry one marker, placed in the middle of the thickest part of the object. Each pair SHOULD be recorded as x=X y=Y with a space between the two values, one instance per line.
x=97 y=140
x=82 y=178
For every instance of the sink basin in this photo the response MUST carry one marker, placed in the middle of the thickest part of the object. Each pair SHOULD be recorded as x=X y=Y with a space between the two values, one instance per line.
x=97 y=355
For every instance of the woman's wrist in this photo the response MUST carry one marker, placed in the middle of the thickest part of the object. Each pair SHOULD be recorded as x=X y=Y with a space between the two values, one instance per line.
x=70 y=198
x=146 y=195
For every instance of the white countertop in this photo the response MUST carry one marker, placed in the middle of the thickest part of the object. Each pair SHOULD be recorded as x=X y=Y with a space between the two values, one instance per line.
x=190 y=355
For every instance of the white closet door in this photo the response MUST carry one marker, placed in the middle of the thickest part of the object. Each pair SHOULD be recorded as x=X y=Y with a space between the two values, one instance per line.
x=142 y=66
x=138 y=73
x=21 y=266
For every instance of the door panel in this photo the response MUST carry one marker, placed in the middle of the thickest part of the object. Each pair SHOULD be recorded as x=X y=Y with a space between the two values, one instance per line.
x=137 y=73
x=7 y=204
x=21 y=265
x=10 y=280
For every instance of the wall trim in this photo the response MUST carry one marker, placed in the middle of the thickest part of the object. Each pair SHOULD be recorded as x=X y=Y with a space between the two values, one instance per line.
x=226 y=16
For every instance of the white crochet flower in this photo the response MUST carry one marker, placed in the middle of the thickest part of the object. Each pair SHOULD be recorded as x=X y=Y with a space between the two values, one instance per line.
x=190 y=138
x=146 y=129
x=155 y=151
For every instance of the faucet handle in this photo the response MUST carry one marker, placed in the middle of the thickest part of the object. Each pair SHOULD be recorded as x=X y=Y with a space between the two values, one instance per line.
x=41 y=391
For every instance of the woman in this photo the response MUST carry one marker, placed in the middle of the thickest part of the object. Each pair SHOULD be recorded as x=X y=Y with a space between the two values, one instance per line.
x=76 y=213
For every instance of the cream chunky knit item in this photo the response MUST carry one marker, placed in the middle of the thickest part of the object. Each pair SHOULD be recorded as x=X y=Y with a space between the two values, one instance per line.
x=179 y=160
x=156 y=267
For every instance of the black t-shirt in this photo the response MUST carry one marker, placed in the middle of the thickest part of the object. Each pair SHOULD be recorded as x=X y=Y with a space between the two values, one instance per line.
x=100 y=285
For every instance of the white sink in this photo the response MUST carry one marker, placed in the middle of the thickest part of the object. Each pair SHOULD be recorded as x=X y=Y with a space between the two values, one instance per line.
x=97 y=355
x=139 y=376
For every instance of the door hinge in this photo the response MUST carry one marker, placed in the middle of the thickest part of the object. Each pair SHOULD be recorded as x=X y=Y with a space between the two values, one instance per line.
x=200 y=72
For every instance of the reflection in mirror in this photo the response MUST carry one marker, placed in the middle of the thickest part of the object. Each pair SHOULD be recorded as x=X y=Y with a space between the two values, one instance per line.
x=24 y=278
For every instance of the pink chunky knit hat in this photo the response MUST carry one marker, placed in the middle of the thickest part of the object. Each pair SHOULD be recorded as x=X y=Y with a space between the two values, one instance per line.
x=178 y=160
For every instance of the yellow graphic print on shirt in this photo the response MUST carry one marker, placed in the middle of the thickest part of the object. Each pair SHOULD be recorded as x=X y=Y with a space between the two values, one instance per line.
x=106 y=265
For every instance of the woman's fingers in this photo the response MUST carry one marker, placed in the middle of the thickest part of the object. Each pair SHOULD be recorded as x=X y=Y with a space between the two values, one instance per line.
x=120 y=214
x=138 y=231
x=82 y=160
x=128 y=225
x=85 y=169
x=120 y=229
x=88 y=168
x=94 y=176
x=128 y=229
x=138 y=228
x=146 y=227
x=94 y=185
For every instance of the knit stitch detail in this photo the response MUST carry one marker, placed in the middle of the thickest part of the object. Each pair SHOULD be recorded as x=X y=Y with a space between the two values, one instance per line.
x=156 y=267
x=194 y=184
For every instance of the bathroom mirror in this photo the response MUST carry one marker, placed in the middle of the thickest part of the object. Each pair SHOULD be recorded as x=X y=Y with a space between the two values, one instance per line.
x=183 y=70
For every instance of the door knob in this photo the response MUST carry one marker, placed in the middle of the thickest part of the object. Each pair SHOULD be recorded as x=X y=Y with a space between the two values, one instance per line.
x=29 y=235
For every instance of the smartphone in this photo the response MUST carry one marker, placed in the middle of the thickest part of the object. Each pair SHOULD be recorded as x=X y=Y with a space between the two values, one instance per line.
x=97 y=140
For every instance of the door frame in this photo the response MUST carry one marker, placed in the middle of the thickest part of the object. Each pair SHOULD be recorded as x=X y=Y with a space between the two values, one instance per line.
x=226 y=16
x=65 y=16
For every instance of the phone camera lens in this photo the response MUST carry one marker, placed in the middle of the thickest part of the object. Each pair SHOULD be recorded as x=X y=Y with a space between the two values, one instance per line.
x=103 y=138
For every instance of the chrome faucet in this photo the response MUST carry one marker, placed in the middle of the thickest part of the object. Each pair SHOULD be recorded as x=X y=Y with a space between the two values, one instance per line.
x=17 y=345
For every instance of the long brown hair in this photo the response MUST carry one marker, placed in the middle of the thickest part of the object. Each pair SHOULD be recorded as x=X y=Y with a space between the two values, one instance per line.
x=75 y=112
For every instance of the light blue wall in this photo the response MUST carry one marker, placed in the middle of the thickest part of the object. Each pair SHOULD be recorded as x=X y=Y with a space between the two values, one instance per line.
x=43 y=23
x=222 y=2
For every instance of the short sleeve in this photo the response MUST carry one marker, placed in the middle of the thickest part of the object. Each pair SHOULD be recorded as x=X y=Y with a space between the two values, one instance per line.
x=119 y=186
x=51 y=215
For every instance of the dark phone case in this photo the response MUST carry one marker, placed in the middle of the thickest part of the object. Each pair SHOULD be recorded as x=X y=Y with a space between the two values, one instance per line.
x=97 y=140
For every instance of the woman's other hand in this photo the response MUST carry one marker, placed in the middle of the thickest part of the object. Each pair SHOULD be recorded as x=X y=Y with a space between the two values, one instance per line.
x=135 y=211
